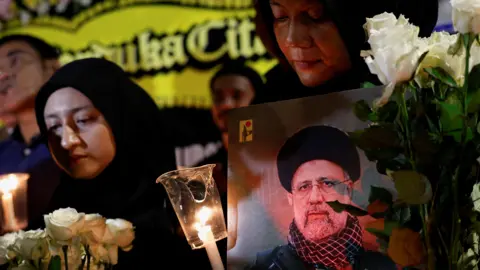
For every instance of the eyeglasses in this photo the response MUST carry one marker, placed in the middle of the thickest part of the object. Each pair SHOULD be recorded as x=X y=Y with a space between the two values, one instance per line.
x=325 y=185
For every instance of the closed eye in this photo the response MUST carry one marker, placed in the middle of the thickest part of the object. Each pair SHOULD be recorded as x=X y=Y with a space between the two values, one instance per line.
x=54 y=128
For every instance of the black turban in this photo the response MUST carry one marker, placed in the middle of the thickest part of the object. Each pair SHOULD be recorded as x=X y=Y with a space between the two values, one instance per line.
x=317 y=143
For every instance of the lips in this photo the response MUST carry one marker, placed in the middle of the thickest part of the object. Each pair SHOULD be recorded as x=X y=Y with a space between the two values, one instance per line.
x=314 y=215
x=306 y=65
x=74 y=159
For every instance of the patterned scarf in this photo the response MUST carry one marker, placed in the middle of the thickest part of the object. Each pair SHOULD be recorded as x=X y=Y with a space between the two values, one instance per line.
x=335 y=252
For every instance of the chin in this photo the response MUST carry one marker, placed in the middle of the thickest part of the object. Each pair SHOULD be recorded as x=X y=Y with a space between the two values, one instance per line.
x=82 y=174
x=310 y=81
x=315 y=77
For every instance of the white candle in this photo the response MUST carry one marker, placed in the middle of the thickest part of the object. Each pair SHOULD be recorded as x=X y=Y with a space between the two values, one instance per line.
x=205 y=234
x=7 y=188
x=8 y=212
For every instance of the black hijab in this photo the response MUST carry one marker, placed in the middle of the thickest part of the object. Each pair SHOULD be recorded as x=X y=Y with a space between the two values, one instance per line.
x=126 y=188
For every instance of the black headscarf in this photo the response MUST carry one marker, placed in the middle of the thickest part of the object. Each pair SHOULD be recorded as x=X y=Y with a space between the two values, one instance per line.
x=126 y=188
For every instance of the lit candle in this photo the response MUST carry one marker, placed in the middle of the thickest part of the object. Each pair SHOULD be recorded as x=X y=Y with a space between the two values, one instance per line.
x=7 y=186
x=206 y=235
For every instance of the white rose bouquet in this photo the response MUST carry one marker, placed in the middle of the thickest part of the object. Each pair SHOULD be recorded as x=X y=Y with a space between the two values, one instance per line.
x=424 y=134
x=70 y=240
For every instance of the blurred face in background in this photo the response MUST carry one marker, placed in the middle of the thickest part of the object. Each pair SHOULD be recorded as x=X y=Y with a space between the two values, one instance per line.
x=80 y=138
x=310 y=40
x=229 y=92
x=22 y=73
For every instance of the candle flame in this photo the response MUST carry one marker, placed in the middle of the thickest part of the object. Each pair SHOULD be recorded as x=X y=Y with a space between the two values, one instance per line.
x=204 y=214
x=9 y=184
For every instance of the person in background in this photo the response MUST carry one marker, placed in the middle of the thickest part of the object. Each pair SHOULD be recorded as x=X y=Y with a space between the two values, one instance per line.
x=318 y=43
x=233 y=86
x=112 y=143
x=316 y=165
x=26 y=63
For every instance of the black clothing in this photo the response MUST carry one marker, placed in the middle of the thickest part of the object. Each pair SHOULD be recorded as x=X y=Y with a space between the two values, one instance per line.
x=285 y=258
x=144 y=150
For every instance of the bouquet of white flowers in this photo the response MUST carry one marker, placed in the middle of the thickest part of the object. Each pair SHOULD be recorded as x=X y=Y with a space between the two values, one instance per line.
x=424 y=134
x=71 y=240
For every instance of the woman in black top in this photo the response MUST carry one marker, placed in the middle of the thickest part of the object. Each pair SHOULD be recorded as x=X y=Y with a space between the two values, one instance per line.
x=318 y=43
x=112 y=143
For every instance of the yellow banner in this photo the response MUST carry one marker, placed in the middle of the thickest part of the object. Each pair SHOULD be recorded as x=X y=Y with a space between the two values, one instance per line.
x=171 y=48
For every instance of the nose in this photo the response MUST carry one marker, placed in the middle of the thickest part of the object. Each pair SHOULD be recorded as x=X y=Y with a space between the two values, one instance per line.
x=226 y=104
x=69 y=138
x=298 y=35
x=316 y=195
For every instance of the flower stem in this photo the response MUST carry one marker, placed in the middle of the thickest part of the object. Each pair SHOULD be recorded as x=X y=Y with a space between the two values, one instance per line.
x=65 y=248
x=88 y=259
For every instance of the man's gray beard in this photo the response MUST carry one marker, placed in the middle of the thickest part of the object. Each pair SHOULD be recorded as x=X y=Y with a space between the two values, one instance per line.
x=320 y=229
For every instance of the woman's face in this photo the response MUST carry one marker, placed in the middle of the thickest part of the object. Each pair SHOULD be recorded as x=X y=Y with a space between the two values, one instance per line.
x=309 y=40
x=80 y=138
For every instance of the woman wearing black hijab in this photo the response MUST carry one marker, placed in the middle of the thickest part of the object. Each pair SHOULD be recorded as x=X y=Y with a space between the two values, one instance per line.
x=109 y=137
x=318 y=42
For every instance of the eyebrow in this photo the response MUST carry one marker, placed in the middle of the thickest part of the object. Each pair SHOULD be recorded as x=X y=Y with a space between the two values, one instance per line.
x=274 y=3
x=15 y=52
x=74 y=110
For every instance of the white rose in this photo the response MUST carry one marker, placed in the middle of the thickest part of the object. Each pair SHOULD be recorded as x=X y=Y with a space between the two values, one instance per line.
x=466 y=16
x=99 y=253
x=395 y=51
x=120 y=233
x=33 y=245
x=63 y=224
x=385 y=29
x=475 y=196
x=113 y=254
x=6 y=242
x=437 y=45
x=380 y=21
x=93 y=229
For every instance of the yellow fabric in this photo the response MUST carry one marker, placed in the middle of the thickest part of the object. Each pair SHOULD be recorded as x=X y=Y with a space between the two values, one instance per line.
x=163 y=45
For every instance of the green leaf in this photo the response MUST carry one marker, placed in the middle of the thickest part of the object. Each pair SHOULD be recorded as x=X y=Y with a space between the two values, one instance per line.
x=396 y=164
x=474 y=79
x=412 y=187
x=451 y=116
x=388 y=112
x=381 y=154
x=387 y=231
x=368 y=85
x=381 y=194
x=401 y=215
x=473 y=100
x=441 y=75
x=55 y=263
x=379 y=234
x=375 y=137
x=423 y=144
x=340 y=207
x=362 y=110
